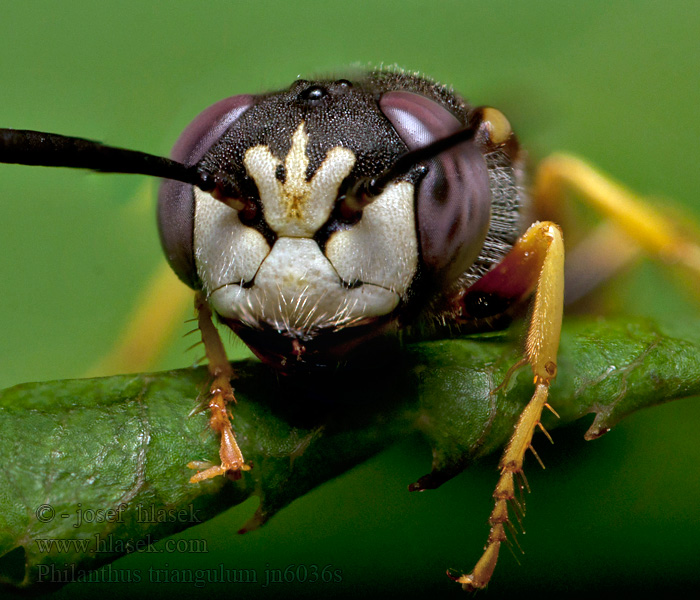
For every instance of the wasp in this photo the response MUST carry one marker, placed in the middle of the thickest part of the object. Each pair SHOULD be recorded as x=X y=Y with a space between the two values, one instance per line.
x=318 y=220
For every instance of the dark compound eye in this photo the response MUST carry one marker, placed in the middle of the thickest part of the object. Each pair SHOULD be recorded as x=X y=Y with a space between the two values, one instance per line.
x=453 y=201
x=313 y=93
x=176 y=199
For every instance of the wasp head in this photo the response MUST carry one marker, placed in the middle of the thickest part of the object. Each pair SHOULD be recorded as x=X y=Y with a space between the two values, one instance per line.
x=322 y=225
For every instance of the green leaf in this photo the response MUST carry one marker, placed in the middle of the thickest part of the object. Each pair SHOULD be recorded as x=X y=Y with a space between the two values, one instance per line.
x=94 y=469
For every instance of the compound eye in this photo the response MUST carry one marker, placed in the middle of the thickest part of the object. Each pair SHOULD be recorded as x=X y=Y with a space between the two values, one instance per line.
x=208 y=127
x=453 y=199
x=176 y=200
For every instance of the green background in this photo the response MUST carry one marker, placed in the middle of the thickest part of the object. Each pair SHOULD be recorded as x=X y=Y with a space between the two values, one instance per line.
x=616 y=82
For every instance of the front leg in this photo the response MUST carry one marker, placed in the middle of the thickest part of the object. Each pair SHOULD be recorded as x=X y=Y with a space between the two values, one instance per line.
x=220 y=394
x=540 y=252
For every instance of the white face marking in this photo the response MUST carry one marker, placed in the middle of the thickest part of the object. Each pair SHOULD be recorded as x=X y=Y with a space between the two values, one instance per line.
x=225 y=249
x=298 y=208
x=382 y=248
x=295 y=287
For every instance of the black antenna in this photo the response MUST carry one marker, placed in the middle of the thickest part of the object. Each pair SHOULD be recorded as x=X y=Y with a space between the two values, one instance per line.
x=374 y=187
x=25 y=147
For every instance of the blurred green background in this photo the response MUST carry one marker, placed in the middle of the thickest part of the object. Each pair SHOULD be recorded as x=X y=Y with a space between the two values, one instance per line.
x=616 y=82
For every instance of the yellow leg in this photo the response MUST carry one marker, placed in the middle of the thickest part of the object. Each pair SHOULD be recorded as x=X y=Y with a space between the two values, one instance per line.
x=604 y=252
x=220 y=394
x=647 y=227
x=541 y=347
